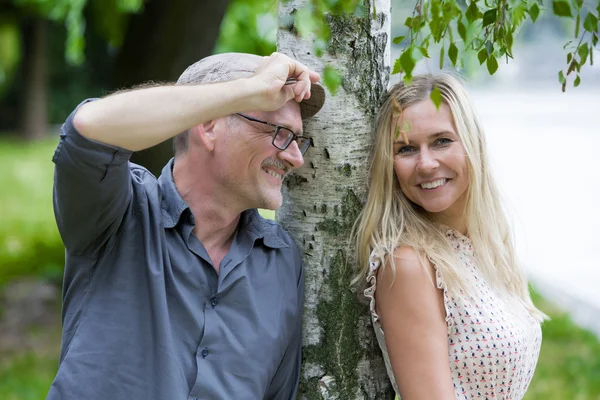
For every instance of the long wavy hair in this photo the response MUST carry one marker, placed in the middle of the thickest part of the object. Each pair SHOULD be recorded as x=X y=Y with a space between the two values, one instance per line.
x=390 y=220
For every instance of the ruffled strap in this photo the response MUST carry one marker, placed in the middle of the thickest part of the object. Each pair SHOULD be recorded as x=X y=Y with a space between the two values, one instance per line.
x=374 y=264
x=375 y=261
x=441 y=284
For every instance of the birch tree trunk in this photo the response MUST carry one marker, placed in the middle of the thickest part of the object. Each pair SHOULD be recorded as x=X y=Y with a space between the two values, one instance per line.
x=341 y=358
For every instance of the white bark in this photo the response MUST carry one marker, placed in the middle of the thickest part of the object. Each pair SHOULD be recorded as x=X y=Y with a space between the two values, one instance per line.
x=321 y=201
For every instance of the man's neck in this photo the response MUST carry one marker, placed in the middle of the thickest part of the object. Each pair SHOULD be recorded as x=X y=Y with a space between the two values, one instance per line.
x=216 y=220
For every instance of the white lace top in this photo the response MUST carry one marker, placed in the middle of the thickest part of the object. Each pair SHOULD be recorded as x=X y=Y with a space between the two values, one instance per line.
x=493 y=347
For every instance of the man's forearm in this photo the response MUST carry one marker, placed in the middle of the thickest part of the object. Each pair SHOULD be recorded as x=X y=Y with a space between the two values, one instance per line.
x=138 y=119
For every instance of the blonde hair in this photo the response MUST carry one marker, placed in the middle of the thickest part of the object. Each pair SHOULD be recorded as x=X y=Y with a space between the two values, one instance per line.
x=390 y=220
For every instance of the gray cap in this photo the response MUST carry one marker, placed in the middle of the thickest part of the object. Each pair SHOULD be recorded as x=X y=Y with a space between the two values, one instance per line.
x=231 y=66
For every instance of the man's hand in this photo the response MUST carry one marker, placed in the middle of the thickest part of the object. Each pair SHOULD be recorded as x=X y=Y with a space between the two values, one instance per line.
x=271 y=78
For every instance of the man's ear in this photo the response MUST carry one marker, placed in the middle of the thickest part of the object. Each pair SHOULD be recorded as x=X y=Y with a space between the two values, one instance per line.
x=205 y=134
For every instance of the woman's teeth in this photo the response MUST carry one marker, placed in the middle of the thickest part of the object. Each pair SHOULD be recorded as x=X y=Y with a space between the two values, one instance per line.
x=434 y=184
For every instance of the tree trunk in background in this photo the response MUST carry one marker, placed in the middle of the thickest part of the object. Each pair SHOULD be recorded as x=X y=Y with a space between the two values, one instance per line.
x=341 y=358
x=34 y=122
x=160 y=44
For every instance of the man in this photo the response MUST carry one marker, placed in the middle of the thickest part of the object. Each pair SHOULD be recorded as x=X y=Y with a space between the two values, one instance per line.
x=176 y=288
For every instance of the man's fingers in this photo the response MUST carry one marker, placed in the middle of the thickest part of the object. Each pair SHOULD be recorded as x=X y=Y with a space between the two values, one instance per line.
x=314 y=76
x=295 y=82
x=301 y=88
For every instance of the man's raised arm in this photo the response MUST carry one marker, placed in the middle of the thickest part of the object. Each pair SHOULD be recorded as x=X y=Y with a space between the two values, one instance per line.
x=138 y=119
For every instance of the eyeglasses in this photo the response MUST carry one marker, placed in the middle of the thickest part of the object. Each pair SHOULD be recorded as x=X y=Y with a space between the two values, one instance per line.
x=282 y=136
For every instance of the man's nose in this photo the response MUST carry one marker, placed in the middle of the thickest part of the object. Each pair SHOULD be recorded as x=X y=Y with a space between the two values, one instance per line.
x=292 y=155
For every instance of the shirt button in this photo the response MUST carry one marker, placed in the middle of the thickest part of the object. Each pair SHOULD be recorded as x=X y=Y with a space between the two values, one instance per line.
x=204 y=352
x=214 y=301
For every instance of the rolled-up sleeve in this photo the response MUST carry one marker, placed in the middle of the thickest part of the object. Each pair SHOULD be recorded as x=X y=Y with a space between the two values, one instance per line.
x=284 y=385
x=92 y=189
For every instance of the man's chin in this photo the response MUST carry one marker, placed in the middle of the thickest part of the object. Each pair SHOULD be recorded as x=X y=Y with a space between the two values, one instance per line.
x=272 y=202
x=272 y=206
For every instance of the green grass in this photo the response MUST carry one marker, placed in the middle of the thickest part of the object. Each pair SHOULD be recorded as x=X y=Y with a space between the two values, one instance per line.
x=27 y=377
x=29 y=240
x=569 y=363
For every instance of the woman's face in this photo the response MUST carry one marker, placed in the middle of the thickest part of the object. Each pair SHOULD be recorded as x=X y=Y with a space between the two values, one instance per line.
x=431 y=167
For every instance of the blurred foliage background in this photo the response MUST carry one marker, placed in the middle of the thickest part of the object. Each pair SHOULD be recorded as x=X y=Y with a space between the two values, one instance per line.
x=55 y=54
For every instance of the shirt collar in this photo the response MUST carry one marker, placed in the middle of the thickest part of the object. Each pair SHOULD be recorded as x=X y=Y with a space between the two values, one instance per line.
x=260 y=228
x=173 y=206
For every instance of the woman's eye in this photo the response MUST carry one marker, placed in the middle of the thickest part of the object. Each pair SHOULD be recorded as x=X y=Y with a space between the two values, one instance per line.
x=406 y=150
x=443 y=141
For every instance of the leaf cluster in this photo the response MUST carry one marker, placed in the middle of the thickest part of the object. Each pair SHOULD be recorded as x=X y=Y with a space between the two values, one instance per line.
x=488 y=28
x=580 y=50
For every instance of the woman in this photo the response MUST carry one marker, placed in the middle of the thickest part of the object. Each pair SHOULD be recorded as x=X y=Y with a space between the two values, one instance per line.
x=436 y=249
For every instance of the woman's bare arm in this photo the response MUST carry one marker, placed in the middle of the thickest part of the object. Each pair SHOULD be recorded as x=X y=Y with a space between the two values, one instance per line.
x=412 y=316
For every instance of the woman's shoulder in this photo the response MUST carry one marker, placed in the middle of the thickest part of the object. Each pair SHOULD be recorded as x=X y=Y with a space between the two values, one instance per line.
x=406 y=256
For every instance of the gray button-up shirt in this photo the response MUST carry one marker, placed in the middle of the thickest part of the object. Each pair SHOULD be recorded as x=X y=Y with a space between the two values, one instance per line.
x=145 y=315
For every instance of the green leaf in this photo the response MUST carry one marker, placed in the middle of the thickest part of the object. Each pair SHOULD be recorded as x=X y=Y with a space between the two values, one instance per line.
x=509 y=43
x=561 y=77
x=453 y=53
x=462 y=30
x=492 y=64
x=319 y=46
x=408 y=22
x=442 y=56
x=305 y=22
x=577 y=24
x=407 y=61
x=472 y=12
x=332 y=79
x=397 y=67
x=482 y=56
x=424 y=51
x=519 y=13
x=577 y=81
x=489 y=17
x=425 y=42
x=398 y=39
x=592 y=57
x=569 y=57
x=489 y=46
x=583 y=53
x=534 y=12
x=573 y=66
x=451 y=10
x=436 y=97
x=129 y=5
x=561 y=8
x=436 y=27
x=591 y=23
